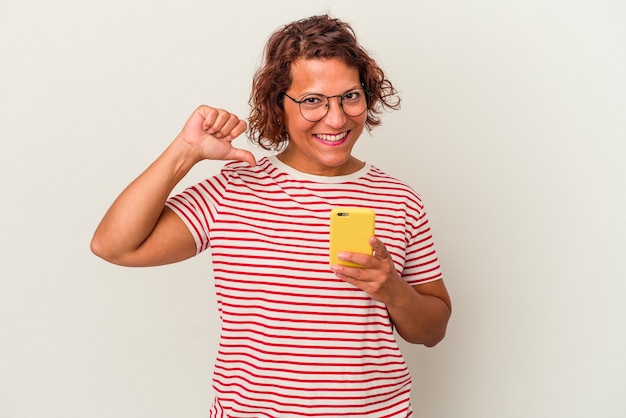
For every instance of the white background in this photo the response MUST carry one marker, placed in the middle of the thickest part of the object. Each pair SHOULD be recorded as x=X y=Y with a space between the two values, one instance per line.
x=512 y=129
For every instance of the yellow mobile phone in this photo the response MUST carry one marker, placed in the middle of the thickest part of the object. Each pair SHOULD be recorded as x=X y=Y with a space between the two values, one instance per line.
x=350 y=230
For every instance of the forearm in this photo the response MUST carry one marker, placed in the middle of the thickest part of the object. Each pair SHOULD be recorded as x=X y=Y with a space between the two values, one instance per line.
x=420 y=318
x=134 y=214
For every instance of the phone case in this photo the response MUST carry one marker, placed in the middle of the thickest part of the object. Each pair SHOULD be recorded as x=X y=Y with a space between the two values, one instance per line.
x=350 y=230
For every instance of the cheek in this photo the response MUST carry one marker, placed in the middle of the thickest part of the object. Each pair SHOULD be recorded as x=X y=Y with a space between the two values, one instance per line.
x=290 y=110
x=291 y=119
x=296 y=126
x=360 y=121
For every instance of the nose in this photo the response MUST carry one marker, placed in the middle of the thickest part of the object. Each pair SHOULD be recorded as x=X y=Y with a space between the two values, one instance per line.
x=335 y=117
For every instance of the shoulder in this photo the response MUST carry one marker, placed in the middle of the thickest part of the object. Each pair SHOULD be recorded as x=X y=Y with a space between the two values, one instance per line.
x=241 y=173
x=242 y=168
x=393 y=185
x=238 y=167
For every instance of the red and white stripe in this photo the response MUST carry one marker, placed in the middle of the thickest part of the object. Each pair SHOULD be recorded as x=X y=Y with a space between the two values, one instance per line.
x=296 y=341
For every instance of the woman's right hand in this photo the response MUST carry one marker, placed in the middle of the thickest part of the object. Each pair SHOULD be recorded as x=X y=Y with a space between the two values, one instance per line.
x=210 y=132
x=137 y=230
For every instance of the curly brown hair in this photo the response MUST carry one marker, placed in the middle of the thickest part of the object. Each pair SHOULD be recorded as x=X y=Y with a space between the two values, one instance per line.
x=313 y=37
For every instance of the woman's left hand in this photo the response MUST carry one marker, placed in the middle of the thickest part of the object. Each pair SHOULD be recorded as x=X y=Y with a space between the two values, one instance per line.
x=378 y=276
x=419 y=313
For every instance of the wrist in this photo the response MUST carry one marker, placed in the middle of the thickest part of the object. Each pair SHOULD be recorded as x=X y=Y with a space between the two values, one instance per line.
x=403 y=296
x=181 y=157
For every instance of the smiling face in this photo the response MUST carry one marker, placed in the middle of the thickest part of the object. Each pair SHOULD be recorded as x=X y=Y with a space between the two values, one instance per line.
x=322 y=148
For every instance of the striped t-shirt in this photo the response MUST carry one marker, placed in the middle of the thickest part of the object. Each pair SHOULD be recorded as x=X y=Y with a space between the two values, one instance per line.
x=295 y=340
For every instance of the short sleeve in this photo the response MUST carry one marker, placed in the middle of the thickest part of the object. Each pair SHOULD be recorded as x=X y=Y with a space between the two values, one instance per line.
x=421 y=263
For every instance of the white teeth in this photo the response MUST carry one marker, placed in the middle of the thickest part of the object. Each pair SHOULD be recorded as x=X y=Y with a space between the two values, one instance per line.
x=332 y=138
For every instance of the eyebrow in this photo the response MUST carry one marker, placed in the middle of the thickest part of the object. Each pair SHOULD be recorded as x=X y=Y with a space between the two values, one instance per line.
x=359 y=87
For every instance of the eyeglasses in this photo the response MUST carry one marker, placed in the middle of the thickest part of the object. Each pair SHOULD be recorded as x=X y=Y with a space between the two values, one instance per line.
x=314 y=107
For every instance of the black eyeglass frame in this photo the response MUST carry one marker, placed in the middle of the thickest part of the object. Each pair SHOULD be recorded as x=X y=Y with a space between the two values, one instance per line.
x=340 y=96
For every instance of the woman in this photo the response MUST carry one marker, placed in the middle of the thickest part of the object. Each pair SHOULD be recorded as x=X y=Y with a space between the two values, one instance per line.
x=299 y=338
